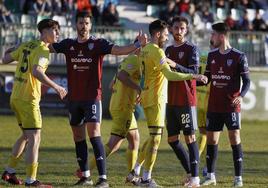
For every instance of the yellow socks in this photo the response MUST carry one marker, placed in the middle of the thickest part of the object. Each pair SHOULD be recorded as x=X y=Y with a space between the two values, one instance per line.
x=132 y=156
x=151 y=152
x=202 y=141
x=141 y=157
x=13 y=161
x=31 y=171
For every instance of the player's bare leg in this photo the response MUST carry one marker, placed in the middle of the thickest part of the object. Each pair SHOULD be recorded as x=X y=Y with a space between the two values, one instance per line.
x=114 y=144
x=235 y=141
x=9 y=174
x=31 y=157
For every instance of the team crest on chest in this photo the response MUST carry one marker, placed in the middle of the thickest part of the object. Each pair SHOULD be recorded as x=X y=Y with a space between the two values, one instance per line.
x=181 y=54
x=90 y=46
x=229 y=62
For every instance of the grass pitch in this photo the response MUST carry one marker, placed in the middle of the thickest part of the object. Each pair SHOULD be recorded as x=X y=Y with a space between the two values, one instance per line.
x=57 y=162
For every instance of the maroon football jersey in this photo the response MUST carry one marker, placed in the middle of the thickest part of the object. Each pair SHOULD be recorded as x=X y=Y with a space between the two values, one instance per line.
x=224 y=72
x=84 y=66
x=183 y=93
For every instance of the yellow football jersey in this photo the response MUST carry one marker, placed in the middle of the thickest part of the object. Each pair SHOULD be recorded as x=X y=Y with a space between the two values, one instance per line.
x=202 y=91
x=26 y=87
x=124 y=97
x=153 y=60
x=202 y=100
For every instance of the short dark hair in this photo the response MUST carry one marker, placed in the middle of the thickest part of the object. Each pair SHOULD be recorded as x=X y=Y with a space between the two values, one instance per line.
x=221 y=28
x=47 y=23
x=179 y=19
x=157 y=26
x=83 y=14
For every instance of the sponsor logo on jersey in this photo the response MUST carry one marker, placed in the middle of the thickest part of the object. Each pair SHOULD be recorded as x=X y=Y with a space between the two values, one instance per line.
x=181 y=54
x=90 y=46
x=76 y=67
x=218 y=84
x=220 y=77
x=229 y=62
x=81 y=60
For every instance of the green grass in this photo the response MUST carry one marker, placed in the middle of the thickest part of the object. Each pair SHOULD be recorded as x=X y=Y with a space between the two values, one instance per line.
x=57 y=161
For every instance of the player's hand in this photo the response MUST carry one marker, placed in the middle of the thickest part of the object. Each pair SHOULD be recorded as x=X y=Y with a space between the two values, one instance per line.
x=142 y=38
x=61 y=92
x=200 y=78
x=171 y=63
x=9 y=50
x=237 y=101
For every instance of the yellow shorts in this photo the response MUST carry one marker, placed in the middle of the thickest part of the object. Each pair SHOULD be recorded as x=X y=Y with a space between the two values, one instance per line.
x=28 y=114
x=123 y=121
x=155 y=115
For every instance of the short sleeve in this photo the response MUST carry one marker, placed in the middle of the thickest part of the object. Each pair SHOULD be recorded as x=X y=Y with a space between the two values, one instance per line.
x=61 y=46
x=105 y=46
x=130 y=64
x=167 y=51
x=41 y=58
x=16 y=53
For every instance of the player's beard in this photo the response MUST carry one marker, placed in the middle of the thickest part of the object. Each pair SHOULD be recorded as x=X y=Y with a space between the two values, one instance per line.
x=213 y=44
x=83 y=33
x=161 y=42
x=178 y=38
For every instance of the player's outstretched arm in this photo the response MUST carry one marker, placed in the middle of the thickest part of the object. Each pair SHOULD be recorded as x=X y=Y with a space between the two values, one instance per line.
x=176 y=76
x=39 y=73
x=7 y=57
x=180 y=68
x=125 y=50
